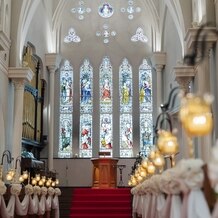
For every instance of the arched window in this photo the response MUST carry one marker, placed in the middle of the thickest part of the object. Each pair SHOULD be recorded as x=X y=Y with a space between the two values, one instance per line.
x=106 y=106
x=86 y=109
x=97 y=135
x=145 y=104
x=66 y=111
x=125 y=90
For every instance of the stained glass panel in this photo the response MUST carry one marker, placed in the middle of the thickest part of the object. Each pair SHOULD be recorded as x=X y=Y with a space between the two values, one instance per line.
x=65 y=139
x=86 y=81
x=106 y=131
x=125 y=86
x=66 y=88
x=146 y=130
x=145 y=87
x=145 y=100
x=85 y=135
x=126 y=136
x=106 y=86
x=66 y=109
x=105 y=10
x=86 y=108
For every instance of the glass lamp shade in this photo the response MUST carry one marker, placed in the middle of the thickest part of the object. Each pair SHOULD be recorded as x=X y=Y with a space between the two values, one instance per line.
x=37 y=177
x=21 y=179
x=152 y=154
x=48 y=183
x=33 y=181
x=159 y=160
x=139 y=178
x=41 y=183
x=9 y=177
x=151 y=168
x=25 y=175
x=195 y=115
x=133 y=180
x=167 y=143
x=144 y=163
x=43 y=179
x=129 y=183
x=142 y=171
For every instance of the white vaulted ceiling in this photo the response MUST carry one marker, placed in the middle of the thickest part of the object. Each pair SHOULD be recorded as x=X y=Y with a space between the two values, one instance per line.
x=93 y=47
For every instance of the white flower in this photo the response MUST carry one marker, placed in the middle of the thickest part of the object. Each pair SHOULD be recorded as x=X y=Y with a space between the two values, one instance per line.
x=3 y=188
x=15 y=189
x=57 y=191
x=37 y=190
x=44 y=191
x=28 y=189
x=51 y=191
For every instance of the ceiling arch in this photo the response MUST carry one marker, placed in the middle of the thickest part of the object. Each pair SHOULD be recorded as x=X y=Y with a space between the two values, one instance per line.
x=86 y=29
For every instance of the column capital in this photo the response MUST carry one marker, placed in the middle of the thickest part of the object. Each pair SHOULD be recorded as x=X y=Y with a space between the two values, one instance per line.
x=52 y=61
x=191 y=34
x=184 y=75
x=158 y=60
x=24 y=74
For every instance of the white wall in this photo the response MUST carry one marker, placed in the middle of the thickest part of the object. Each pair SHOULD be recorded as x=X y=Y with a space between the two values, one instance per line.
x=78 y=172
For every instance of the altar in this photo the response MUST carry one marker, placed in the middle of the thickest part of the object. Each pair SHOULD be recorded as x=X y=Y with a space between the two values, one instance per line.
x=104 y=172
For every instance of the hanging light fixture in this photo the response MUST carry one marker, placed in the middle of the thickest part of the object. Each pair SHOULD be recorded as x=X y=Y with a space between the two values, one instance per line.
x=195 y=114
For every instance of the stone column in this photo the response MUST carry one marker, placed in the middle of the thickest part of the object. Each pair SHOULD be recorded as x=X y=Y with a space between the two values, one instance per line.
x=184 y=75
x=19 y=77
x=52 y=63
x=202 y=76
x=158 y=60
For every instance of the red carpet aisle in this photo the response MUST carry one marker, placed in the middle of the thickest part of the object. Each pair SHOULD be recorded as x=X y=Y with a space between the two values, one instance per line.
x=101 y=203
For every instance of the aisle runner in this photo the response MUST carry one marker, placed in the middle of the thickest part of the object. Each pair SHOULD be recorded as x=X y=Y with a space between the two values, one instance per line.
x=101 y=203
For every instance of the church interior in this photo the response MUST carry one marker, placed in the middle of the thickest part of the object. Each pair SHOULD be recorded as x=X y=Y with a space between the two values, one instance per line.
x=109 y=97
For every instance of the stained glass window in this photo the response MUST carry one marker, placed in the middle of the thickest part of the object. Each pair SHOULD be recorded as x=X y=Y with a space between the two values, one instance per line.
x=66 y=110
x=105 y=10
x=145 y=102
x=86 y=108
x=106 y=89
x=105 y=86
x=106 y=97
x=125 y=93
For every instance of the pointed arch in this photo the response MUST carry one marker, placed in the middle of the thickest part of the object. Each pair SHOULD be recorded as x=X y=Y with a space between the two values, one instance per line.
x=175 y=10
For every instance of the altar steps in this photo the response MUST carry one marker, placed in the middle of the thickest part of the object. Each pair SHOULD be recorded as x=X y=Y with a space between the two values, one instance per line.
x=101 y=203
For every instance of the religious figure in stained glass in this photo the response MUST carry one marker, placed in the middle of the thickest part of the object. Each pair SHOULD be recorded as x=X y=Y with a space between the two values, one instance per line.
x=145 y=102
x=125 y=89
x=105 y=10
x=86 y=108
x=86 y=80
x=105 y=86
x=126 y=92
x=86 y=135
x=66 y=132
x=65 y=149
x=146 y=132
x=145 y=92
x=66 y=88
x=66 y=109
x=106 y=91
x=125 y=83
x=145 y=87
x=126 y=135
x=106 y=132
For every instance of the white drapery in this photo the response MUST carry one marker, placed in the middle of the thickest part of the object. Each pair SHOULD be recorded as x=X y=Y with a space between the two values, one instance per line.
x=176 y=193
x=36 y=200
